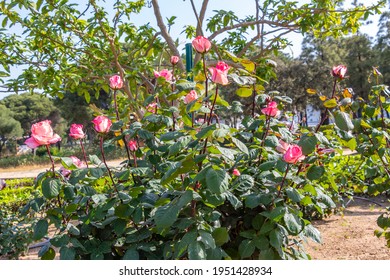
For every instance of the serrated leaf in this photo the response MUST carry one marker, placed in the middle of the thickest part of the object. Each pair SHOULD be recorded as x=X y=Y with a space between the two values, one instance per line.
x=207 y=239
x=217 y=181
x=246 y=248
x=40 y=229
x=343 y=121
x=315 y=172
x=51 y=187
x=241 y=146
x=293 y=223
x=196 y=251
x=313 y=233
x=308 y=143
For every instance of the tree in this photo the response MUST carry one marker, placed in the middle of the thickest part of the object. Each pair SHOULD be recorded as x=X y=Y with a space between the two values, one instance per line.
x=28 y=109
x=68 y=47
x=9 y=127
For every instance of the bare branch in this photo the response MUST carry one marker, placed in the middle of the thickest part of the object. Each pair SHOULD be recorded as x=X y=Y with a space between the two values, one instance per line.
x=165 y=34
x=251 y=23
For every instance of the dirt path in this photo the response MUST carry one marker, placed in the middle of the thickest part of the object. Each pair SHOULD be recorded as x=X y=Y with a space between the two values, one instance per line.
x=33 y=171
x=350 y=235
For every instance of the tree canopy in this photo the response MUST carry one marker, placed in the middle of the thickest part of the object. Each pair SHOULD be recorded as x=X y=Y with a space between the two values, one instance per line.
x=72 y=47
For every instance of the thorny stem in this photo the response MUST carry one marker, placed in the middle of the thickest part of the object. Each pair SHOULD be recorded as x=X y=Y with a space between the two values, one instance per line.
x=105 y=163
x=284 y=179
x=117 y=118
x=84 y=154
x=253 y=101
x=327 y=110
x=206 y=83
x=51 y=159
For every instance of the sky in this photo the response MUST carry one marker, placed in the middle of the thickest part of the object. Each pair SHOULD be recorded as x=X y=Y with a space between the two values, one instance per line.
x=183 y=11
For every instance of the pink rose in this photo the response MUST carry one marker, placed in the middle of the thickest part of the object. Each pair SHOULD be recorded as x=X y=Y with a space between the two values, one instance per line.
x=174 y=59
x=151 y=108
x=293 y=154
x=236 y=172
x=339 y=71
x=282 y=147
x=219 y=73
x=132 y=145
x=191 y=96
x=42 y=134
x=164 y=73
x=116 y=82
x=201 y=44
x=76 y=131
x=102 y=124
x=271 y=109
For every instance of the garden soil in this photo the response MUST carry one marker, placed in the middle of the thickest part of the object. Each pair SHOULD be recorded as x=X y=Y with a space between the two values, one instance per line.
x=346 y=235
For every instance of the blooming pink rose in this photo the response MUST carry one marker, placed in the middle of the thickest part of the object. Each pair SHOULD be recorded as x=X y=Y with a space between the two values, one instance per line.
x=116 y=82
x=219 y=73
x=339 y=71
x=236 y=172
x=42 y=134
x=201 y=44
x=174 y=59
x=151 y=108
x=271 y=109
x=132 y=145
x=76 y=131
x=293 y=154
x=282 y=147
x=191 y=96
x=102 y=124
x=164 y=73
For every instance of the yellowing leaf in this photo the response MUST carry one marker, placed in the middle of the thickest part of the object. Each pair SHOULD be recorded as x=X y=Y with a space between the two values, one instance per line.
x=323 y=97
x=244 y=92
x=331 y=103
x=311 y=91
x=347 y=93
x=120 y=142
x=248 y=65
x=200 y=77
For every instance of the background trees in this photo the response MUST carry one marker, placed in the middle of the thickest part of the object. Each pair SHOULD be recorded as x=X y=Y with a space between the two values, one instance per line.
x=9 y=127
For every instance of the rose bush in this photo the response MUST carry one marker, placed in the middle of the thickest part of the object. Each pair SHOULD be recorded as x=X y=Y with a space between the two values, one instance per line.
x=196 y=188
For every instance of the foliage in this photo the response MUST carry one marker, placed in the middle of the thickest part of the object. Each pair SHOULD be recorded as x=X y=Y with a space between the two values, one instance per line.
x=9 y=127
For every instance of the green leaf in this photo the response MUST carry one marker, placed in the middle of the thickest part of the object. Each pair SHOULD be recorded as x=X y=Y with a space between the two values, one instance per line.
x=205 y=132
x=131 y=254
x=246 y=248
x=343 y=121
x=313 y=233
x=276 y=238
x=221 y=236
x=217 y=181
x=40 y=229
x=293 y=194
x=207 y=239
x=308 y=143
x=196 y=251
x=183 y=85
x=244 y=182
x=241 y=146
x=67 y=253
x=51 y=187
x=293 y=223
x=50 y=254
x=315 y=172
x=244 y=92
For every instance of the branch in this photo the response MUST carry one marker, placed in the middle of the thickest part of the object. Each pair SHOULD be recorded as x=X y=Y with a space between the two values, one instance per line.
x=116 y=53
x=251 y=23
x=165 y=34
